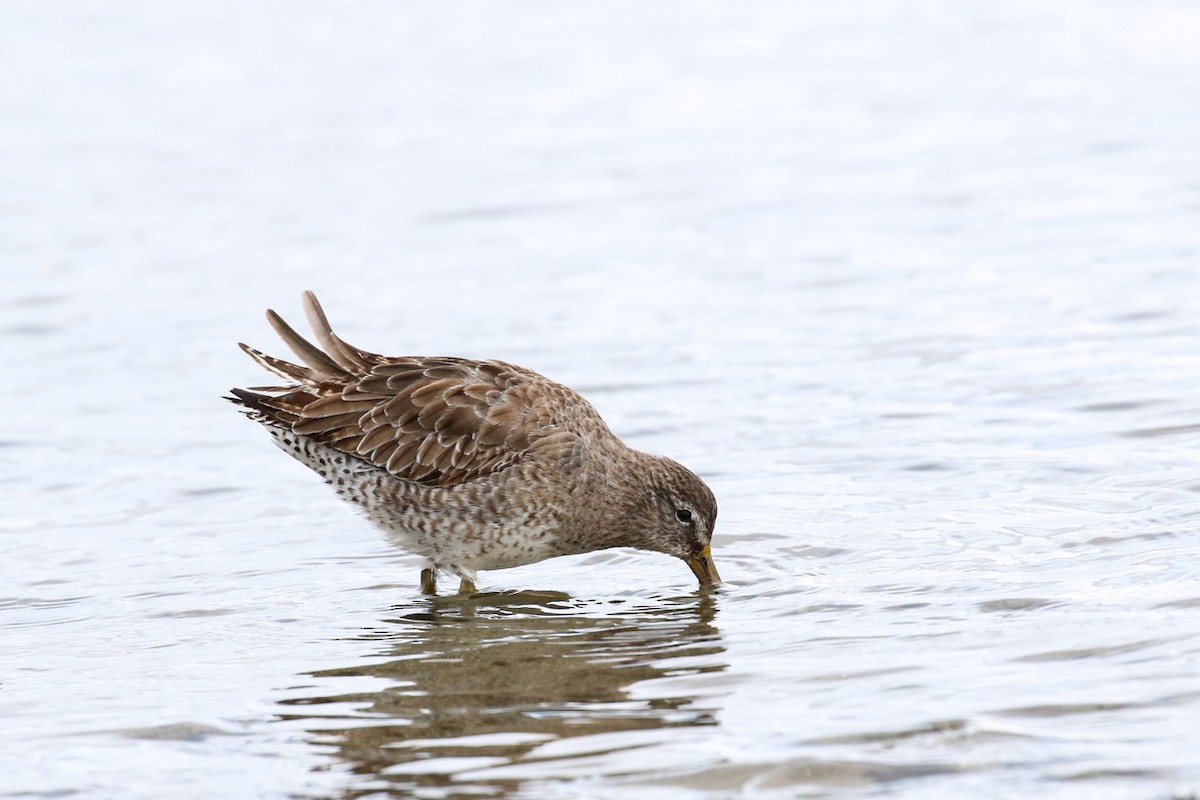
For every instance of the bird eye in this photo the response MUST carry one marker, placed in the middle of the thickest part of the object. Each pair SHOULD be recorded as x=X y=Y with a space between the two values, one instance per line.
x=683 y=515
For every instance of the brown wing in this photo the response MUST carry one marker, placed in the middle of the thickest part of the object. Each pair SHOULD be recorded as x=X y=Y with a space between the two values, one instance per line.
x=439 y=421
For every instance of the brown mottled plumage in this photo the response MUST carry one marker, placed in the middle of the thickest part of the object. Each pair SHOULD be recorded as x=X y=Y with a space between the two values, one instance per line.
x=474 y=464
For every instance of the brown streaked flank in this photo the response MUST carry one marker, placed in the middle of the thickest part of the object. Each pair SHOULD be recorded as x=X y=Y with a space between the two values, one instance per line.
x=473 y=464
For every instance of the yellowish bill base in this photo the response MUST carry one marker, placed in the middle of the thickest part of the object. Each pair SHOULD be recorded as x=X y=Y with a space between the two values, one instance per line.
x=704 y=569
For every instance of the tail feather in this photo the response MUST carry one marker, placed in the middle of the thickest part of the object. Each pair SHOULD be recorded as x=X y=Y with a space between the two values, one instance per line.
x=266 y=408
x=305 y=350
x=284 y=369
x=329 y=370
x=347 y=356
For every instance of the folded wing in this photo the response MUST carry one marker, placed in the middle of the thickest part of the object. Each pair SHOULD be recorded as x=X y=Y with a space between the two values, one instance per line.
x=437 y=421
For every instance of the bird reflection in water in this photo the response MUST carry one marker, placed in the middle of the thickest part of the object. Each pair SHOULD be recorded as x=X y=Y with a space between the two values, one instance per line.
x=479 y=684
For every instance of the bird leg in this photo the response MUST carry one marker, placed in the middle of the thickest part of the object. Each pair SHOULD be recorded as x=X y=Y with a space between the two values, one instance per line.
x=467 y=586
x=429 y=581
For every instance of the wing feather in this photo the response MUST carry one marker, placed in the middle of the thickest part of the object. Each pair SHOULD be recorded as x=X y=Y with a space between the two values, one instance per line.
x=440 y=421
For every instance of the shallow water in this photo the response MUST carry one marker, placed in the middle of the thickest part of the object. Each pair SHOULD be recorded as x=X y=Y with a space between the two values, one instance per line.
x=914 y=288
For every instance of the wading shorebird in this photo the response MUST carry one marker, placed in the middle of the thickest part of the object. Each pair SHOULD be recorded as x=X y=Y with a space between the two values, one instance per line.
x=473 y=465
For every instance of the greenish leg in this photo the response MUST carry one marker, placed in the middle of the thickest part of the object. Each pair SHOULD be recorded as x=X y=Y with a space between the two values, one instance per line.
x=429 y=581
x=467 y=587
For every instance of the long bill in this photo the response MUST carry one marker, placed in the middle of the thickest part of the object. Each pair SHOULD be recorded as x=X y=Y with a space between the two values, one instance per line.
x=704 y=569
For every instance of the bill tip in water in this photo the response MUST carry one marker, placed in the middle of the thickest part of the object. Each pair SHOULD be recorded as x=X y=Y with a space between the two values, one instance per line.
x=704 y=569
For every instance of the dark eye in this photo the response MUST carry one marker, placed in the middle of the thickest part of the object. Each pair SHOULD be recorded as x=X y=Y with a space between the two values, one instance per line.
x=683 y=515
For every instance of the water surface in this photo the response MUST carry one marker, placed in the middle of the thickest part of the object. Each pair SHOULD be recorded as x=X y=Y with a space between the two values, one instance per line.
x=914 y=288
